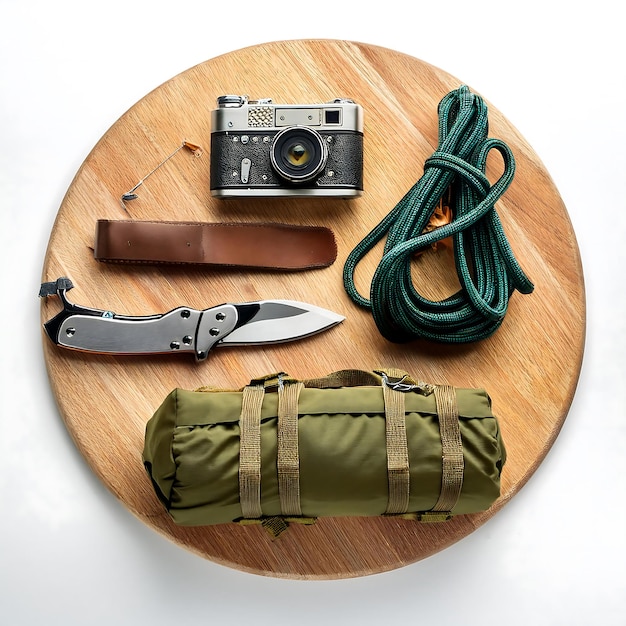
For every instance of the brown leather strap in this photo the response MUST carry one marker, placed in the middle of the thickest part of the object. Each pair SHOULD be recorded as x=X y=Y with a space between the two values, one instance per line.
x=259 y=245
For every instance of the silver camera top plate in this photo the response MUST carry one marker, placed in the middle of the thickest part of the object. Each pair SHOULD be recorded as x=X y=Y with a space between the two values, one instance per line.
x=241 y=113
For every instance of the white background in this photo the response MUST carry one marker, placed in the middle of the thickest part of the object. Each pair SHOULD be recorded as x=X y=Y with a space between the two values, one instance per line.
x=70 y=553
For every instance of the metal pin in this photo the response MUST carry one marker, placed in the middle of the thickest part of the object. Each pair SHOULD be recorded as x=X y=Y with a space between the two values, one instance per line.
x=131 y=195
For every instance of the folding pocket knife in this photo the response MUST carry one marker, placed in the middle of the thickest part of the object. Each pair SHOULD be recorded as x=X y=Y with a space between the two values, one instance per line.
x=182 y=329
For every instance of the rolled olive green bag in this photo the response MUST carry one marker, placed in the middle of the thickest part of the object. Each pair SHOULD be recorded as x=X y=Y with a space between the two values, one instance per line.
x=352 y=443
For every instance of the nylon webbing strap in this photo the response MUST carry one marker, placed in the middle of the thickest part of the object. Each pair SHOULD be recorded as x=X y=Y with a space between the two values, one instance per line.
x=288 y=457
x=250 y=451
x=397 y=452
x=344 y=378
x=452 y=448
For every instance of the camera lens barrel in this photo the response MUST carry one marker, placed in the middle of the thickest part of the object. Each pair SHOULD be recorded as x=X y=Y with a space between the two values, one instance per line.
x=298 y=154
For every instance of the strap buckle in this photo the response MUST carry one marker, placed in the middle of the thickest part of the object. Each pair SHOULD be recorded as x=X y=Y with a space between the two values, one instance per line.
x=401 y=384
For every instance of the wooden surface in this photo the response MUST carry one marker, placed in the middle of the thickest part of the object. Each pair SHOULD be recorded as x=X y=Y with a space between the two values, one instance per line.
x=530 y=366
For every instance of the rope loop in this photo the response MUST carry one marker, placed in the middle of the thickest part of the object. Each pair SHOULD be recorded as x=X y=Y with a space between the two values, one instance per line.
x=486 y=267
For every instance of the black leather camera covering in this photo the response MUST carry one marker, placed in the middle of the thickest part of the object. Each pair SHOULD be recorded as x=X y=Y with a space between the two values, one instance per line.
x=345 y=161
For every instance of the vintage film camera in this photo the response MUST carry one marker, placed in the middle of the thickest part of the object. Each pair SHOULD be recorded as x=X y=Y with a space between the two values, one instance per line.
x=259 y=148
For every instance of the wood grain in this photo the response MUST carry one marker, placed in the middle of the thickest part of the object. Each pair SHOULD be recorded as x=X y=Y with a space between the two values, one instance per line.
x=530 y=367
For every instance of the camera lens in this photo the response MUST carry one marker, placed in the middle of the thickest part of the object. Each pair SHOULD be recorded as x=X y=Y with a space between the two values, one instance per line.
x=298 y=154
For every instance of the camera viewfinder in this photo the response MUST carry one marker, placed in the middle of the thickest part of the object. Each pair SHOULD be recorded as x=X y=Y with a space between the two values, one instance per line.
x=331 y=116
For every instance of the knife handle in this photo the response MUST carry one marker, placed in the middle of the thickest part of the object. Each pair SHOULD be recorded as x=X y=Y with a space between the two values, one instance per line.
x=180 y=330
x=120 y=334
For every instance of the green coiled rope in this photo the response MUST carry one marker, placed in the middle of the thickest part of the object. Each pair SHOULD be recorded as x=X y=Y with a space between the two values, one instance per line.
x=487 y=269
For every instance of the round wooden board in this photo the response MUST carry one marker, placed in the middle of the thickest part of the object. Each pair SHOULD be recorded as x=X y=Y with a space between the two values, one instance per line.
x=530 y=367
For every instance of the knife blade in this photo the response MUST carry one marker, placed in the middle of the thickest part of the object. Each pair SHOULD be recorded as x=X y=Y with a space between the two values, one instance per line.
x=182 y=329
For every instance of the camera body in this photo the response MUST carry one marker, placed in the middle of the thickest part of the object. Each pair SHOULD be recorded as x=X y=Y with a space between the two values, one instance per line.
x=259 y=148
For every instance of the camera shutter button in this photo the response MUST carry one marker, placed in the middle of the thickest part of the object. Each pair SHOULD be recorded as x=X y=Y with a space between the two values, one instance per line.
x=245 y=170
